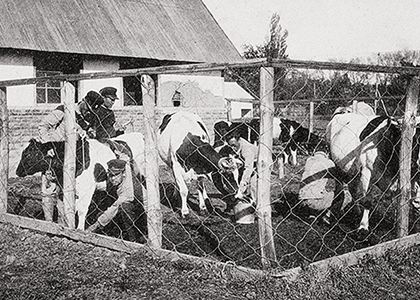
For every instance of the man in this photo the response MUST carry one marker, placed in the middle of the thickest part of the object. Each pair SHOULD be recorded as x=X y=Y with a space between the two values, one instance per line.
x=318 y=186
x=248 y=153
x=119 y=177
x=105 y=124
x=52 y=129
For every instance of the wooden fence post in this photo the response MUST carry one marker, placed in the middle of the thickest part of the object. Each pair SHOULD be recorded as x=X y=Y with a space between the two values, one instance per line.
x=4 y=150
x=154 y=213
x=311 y=116
x=69 y=168
x=268 y=253
x=409 y=123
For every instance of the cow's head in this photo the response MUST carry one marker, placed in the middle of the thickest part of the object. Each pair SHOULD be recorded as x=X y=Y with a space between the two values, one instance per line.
x=37 y=157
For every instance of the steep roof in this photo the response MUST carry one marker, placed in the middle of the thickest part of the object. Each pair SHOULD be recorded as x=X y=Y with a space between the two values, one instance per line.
x=181 y=30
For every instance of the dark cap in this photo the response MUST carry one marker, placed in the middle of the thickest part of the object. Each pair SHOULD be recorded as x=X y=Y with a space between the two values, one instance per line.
x=94 y=99
x=116 y=166
x=109 y=92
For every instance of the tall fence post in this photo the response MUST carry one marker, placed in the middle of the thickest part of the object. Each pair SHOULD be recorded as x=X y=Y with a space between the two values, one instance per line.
x=69 y=168
x=408 y=127
x=154 y=213
x=268 y=253
x=4 y=150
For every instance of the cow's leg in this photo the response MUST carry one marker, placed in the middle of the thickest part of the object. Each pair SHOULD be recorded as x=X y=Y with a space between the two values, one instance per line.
x=416 y=199
x=364 y=223
x=183 y=189
x=85 y=187
x=365 y=199
x=293 y=157
x=285 y=158
x=49 y=191
x=202 y=195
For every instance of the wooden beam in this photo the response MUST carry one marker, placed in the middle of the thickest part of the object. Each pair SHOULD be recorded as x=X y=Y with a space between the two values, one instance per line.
x=264 y=164
x=4 y=150
x=154 y=211
x=128 y=247
x=408 y=128
x=195 y=68
x=69 y=166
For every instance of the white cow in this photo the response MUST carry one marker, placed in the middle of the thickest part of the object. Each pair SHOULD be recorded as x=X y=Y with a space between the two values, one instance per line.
x=184 y=145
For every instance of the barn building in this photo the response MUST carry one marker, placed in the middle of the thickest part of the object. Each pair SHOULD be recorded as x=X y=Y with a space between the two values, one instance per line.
x=49 y=37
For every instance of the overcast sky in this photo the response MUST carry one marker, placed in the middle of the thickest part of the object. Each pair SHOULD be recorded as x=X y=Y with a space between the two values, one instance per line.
x=324 y=29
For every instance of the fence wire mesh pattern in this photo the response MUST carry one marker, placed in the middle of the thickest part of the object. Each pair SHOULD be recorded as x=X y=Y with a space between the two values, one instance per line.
x=334 y=167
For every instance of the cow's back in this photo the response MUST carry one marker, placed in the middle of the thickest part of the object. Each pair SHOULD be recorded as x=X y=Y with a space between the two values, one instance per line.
x=176 y=129
x=343 y=136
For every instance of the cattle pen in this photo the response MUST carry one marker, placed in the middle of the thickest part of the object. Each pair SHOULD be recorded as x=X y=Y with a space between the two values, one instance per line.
x=285 y=237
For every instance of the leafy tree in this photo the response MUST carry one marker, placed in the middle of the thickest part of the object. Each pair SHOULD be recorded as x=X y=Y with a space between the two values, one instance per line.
x=274 y=47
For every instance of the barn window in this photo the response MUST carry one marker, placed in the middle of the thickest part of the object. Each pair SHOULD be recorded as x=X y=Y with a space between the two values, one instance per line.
x=132 y=91
x=48 y=92
x=177 y=99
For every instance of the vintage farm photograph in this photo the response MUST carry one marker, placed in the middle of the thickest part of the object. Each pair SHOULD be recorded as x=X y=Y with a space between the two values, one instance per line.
x=145 y=154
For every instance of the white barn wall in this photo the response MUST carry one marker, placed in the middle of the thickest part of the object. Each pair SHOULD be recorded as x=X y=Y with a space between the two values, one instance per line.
x=18 y=67
x=92 y=66
x=197 y=91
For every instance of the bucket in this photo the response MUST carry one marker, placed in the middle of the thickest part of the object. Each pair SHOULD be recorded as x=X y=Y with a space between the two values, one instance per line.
x=244 y=213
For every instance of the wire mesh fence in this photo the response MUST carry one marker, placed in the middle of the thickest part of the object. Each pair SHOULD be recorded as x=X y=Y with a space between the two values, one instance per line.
x=290 y=212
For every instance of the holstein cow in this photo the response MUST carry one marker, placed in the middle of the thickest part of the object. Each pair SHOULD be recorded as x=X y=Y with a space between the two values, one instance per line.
x=90 y=164
x=366 y=149
x=295 y=136
x=288 y=132
x=184 y=145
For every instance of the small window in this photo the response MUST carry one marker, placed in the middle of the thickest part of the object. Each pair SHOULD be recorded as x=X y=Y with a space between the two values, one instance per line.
x=177 y=99
x=48 y=92
x=132 y=91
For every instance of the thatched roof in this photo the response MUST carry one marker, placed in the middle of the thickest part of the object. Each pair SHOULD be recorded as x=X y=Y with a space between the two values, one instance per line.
x=181 y=30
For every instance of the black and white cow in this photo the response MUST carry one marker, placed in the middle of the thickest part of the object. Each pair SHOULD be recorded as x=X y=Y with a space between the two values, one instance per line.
x=295 y=136
x=366 y=150
x=290 y=133
x=91 y=162
x=247 y=130
x=184 y=145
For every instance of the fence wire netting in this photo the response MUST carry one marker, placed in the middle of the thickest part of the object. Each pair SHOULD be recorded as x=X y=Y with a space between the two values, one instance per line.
x=312 y=217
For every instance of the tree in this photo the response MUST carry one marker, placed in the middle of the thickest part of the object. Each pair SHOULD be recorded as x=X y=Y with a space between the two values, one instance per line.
x=274 y=47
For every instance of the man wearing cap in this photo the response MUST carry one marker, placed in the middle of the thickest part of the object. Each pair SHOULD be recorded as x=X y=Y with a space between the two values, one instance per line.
x=120 y=177
x=105 y=117
x=51 y=129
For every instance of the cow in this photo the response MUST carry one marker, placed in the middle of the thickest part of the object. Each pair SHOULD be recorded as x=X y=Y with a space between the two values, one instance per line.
x=184 y=145
x=365 y=148
x=92 y=157
x=247 y=130
x=290 y=133
x=295 y=136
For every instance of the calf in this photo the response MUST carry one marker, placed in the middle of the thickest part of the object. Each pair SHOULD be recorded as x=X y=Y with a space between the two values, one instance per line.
x=184 y=145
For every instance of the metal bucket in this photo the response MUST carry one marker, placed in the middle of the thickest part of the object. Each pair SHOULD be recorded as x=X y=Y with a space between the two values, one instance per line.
x=244 y=213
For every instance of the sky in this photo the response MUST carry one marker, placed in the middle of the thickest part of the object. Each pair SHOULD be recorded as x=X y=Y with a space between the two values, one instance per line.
x=324 y=30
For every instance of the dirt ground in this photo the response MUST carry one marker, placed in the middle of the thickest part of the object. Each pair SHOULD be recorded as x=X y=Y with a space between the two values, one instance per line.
x=37 y=266
x=298 y=239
